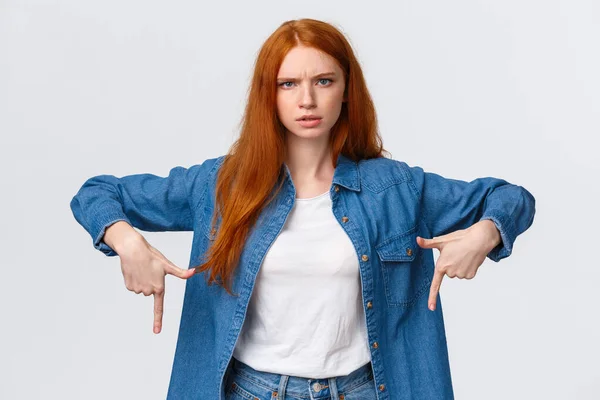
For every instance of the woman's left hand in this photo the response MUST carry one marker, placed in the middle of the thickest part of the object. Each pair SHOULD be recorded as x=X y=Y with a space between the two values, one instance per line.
x=461 y=253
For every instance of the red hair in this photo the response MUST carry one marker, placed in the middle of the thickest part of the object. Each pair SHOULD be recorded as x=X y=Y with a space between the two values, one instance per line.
x=253 y=168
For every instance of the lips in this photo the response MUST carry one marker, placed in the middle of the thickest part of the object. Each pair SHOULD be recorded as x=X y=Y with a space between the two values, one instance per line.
x=308 y=118
x=309 y=123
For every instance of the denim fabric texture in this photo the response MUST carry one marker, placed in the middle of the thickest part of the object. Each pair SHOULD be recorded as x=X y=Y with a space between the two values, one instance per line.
x=243 y=382
x=382 y=204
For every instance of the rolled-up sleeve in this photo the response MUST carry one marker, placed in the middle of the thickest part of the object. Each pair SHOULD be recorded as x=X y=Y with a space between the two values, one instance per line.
x=447 y=205
x=146 y=201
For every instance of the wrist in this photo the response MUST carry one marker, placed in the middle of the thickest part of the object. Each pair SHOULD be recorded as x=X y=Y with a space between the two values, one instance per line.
x=492 y=235
x=120 y=235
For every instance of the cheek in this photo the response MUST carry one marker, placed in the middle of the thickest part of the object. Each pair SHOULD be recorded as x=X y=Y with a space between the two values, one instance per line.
x=334 y=104
x=283 y=107
x=335 y=100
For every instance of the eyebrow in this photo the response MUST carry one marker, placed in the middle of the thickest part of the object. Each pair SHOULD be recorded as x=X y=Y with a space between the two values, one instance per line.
x=316 y=76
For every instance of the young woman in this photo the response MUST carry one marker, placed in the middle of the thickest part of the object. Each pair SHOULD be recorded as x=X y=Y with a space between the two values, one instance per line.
x=310 y=276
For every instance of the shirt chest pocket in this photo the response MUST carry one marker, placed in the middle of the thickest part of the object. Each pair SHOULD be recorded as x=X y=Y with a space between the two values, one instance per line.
x=405 y=276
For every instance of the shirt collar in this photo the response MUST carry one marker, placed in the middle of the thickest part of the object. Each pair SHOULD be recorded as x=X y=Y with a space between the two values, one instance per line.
x=345 y=173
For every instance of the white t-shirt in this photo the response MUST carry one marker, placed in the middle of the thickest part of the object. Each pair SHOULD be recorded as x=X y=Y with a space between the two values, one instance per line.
x=305 y=317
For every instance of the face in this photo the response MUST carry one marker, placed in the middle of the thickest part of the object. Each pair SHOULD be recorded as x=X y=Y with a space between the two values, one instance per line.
x=309 y=82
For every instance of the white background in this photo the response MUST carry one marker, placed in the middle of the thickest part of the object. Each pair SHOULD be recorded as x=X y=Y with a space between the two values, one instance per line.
x=463 y=88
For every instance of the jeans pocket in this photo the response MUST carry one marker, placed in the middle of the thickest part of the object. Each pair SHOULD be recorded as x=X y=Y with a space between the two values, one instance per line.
x=237 y=392
x=240 y=388
x=405 y=277
x=366 y=391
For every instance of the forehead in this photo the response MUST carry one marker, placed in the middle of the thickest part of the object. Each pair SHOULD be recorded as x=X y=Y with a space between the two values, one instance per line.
x=307 y=61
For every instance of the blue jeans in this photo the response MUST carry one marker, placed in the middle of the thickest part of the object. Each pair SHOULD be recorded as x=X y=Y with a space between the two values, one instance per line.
x=244 y=382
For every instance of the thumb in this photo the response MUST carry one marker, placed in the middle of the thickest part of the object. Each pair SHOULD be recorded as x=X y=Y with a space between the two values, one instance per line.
x=172 y=269
x=428 y=243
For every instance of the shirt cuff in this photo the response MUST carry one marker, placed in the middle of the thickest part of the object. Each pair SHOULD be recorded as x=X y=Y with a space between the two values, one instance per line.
x=100 y=223
x=507 y=234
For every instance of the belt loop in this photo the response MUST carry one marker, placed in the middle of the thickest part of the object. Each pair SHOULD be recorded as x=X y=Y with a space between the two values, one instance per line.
x=333 y=388
x=282 y=387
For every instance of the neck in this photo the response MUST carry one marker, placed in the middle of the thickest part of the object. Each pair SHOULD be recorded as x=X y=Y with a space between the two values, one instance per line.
x=309 y=160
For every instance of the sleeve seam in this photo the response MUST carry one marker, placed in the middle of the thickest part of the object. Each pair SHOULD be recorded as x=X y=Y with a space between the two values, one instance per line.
x=209 y=176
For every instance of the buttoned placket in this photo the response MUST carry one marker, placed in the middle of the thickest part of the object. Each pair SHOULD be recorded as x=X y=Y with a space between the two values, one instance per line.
x=369 y=312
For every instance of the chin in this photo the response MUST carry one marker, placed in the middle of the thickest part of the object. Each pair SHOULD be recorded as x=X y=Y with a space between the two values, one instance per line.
x=309 y=133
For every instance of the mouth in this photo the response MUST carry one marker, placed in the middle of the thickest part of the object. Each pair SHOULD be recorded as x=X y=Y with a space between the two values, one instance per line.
x=308 y=118
x=309 y=122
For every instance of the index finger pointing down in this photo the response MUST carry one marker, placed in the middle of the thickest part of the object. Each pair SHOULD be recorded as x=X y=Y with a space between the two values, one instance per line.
x=436 y=282
x=159 y=299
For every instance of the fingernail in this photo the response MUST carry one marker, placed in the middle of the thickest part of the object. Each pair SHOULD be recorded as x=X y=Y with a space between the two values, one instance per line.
x=431 y=307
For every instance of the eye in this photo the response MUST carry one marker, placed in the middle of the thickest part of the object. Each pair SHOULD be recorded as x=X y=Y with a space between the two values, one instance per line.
x=325 y=79
x=283 y=84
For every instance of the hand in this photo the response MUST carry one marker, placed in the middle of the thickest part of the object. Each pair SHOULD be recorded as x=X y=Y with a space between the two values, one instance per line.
x=461 y=253
x=144 y=269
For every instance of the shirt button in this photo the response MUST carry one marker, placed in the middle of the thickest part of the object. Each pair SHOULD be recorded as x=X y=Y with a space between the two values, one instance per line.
x=409 y=251
x=344 y=219
x=365 y=257
x=375 y=345
x=381 y=388
x=336 y=188
x=369 y=304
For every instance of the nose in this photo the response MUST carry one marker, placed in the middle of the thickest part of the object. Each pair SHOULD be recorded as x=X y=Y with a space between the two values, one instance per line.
x=307 y=98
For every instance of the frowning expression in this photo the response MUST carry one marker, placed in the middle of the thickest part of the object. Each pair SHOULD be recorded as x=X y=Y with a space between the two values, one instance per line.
x=310 y=92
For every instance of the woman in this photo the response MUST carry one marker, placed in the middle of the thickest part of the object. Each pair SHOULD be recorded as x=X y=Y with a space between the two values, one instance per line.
x=317 y=280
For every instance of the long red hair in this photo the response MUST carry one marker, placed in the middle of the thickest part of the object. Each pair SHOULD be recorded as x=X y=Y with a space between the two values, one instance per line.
x=253 y=167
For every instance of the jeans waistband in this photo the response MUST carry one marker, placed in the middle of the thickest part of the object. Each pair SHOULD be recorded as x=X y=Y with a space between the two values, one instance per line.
x=297 y=385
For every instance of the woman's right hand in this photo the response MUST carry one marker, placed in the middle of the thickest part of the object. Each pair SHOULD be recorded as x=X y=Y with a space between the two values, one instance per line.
x=144 y=268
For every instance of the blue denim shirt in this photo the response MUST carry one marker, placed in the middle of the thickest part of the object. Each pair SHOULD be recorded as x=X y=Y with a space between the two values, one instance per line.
x=382 y=204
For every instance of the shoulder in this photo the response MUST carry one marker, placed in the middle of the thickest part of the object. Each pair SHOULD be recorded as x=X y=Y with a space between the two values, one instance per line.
x=214 y=162
x=206 y=168
x=201 y=175
x=377 y=174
